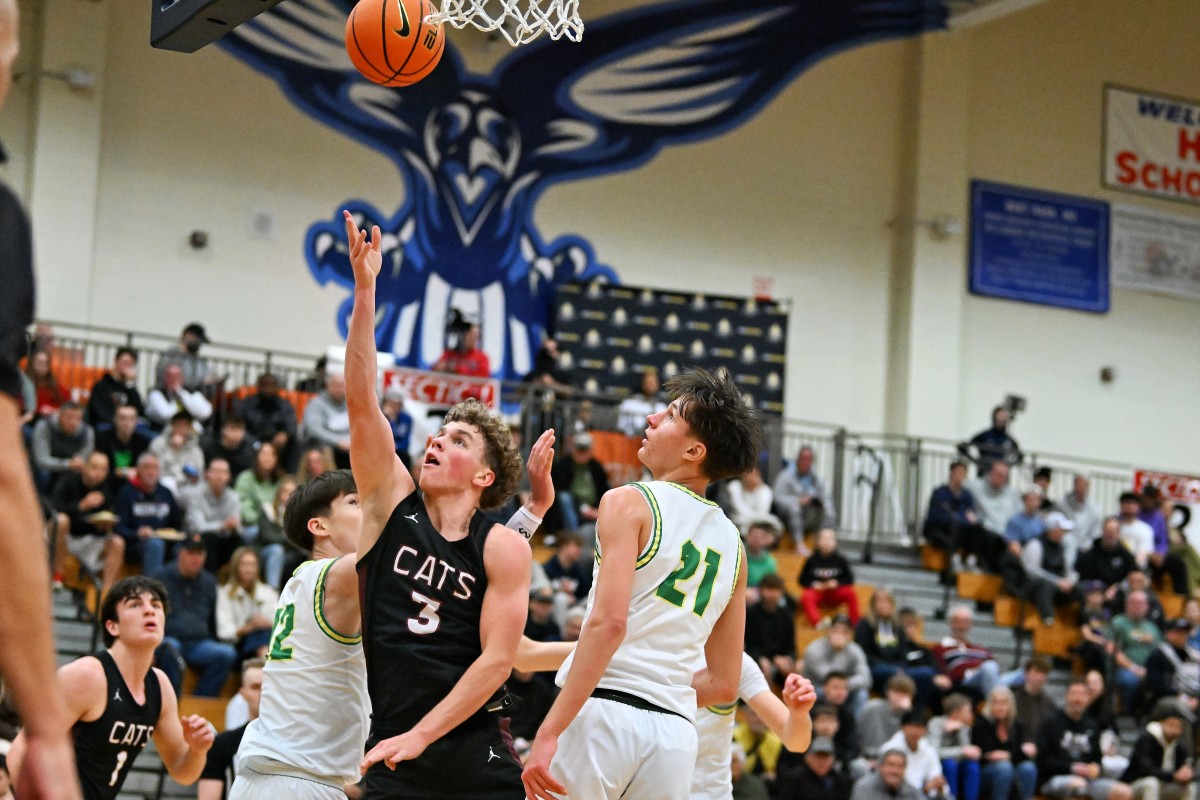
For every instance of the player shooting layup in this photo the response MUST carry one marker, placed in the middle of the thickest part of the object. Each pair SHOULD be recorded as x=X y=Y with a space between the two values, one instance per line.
x=669 y=593
x=444 y=591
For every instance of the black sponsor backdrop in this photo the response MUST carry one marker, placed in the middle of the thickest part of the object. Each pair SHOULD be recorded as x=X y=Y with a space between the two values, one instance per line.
x=609 y=334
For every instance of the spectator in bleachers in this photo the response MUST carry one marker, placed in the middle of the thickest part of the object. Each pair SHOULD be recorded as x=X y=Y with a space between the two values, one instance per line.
x=836 y=692
x=966 y=664
x=1139 y=581
x=567 y=570
x=327 y=422
x=573 y=624
x=887 y=647
x=924 y=770
x=534 y=698
x=123 y=443
x=28 y=404
x=1135 y=637
x=996 y=502
x=271 y=417
x=540 y=625
x=1087 y=517
x=827 y=581
x=1108 y=560
x=274 y=547
x=48 y=395
x=1137 y=536
x=144 y=506
x=1007 y=748
x=802 y=499
x=994 y=445
x=194 y=368
x=1049 y=579
x=1095 y=627
x=837 y=653
x=117 y=388
x=401 y=423
x=256 y=487
x=231 y=445
x=771 y=631
x=178 y=451
x=1041 y=479
x=913 y=625
x=633 y=410
x=880 y=718
x=1181 y=548
x=1031 y=705
x=1100 y=701
x=579 y=483
x=750 y=500
x=827 y=721
x=316 y=381
x=1028 y=523
x=817 y=777
x=220 y=768
x=744 y=785
x=212 y=510
x=1160 y=765
x=466 y=358
x=761 y=535
x=1068 y=753
x=1191 y=612
x=77 y=498
x=888 y=783
x=315 y=460
x=60 y=445
x=191 y=619
x=760 y=744
x=170 y=397
x=547 y=369
x=1162 y=560
x=950 y=734
x=1172 y=669
x=952 y=522
x=245 y=606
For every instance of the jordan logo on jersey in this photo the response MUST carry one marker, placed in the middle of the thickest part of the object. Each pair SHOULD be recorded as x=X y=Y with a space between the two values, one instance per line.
x=432 y=571
x=491 y=755
x=411 y=518
x=117 y=695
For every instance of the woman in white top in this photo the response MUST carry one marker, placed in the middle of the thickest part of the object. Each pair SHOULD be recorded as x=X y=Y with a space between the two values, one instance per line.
x=750 y=500
x=245 y=606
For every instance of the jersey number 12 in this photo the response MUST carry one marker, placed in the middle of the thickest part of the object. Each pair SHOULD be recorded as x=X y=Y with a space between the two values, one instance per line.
x=689 y=562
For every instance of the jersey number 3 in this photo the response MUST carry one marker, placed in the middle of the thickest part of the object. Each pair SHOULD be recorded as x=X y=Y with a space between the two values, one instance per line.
x=689 y=562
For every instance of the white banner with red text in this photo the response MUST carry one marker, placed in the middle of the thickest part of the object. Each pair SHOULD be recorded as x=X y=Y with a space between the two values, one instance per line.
x=1152 y=144
x=441 y=388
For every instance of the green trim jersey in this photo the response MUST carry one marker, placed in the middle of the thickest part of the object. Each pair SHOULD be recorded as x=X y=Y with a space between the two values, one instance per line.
x=313 y=714
x=714 y=732
x=684 y=579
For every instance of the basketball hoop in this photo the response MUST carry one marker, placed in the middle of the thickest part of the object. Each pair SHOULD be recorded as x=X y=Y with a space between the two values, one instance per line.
x=518 y=25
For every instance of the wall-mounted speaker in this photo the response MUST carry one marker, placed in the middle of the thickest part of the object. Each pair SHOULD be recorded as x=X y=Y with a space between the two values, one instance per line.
x=188 y=25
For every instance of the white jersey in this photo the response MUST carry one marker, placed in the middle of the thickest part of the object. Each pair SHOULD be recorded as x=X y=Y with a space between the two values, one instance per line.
x=684 y=580
x=714 y=728
x=313 y=714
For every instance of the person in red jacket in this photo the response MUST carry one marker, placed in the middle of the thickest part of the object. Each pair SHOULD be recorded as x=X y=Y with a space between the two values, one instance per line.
x=962 y=663
x=467 y=358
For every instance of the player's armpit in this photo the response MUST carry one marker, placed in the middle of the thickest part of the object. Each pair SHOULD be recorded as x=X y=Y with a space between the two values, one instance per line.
x=717 y=683
x=341 y=605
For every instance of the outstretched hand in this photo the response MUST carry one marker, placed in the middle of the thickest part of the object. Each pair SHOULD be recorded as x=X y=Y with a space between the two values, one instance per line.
x=541 y=485
x=798 y=693
x=366 y=257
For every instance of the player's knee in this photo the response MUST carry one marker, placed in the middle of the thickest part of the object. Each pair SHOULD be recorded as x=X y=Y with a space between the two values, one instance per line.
x=115 y=544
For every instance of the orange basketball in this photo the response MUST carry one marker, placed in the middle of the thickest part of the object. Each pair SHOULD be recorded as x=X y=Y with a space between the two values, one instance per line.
x=390 y=43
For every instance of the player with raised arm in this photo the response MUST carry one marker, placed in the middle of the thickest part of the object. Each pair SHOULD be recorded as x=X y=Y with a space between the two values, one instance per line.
x=119 y=700
x=669 y=594
x=444 y=591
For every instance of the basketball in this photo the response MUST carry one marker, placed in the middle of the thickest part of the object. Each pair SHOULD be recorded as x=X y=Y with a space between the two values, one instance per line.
x=390 y=43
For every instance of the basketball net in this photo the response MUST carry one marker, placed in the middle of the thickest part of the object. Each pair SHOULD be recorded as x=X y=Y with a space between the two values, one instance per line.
x=518 y=25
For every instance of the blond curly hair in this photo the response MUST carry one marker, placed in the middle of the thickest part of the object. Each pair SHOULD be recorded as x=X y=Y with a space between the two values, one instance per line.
x=499 y=451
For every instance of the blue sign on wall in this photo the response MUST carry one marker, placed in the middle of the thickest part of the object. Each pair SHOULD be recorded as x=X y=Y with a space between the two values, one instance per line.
x=1039 y=247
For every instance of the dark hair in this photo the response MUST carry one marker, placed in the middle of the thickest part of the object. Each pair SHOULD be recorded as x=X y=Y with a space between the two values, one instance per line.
x=1076 y=681
x=70 y=405
x=902 y=684
x=258 y=662
x=314 y=498
x=569 y=537
x=127 y=589
x=1040 y=664
x=825 y=710
x=1043 y=472
x=956 y=464
x=124 y=350
x=234 y=419
x=771 y=581
x=720 y=417
x=1129 y=497
x=835 y=675
x=499 y=451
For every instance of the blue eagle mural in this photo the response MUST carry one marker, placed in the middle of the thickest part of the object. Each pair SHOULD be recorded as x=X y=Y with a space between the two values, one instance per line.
x=476 y=151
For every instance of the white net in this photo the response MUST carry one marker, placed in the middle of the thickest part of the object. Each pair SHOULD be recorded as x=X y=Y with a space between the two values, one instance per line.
x=518 y=21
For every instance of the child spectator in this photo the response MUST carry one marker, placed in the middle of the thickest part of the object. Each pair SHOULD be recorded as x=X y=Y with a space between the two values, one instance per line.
x=760 y=537
x=827 y=580
x=950 y=734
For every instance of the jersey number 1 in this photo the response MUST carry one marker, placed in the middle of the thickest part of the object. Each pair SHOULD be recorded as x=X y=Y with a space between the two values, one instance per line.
x=689 y=561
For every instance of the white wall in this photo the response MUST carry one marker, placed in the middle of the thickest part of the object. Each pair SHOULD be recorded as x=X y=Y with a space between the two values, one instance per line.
x=803 y=192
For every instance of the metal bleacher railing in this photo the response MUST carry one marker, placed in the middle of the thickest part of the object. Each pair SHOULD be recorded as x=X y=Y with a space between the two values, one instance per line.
x=879 y=482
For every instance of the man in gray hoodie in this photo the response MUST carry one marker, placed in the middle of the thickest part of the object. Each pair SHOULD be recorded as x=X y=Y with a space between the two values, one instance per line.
x=837 y=652
x=327 y=422
x=61 y=444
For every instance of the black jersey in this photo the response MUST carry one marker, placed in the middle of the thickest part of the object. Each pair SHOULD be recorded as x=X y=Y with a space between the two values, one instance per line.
x=422 y=597
x=106 y=748
x=16 y=298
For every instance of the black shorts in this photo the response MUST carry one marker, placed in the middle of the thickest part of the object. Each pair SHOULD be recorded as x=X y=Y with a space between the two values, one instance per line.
x=475 y=761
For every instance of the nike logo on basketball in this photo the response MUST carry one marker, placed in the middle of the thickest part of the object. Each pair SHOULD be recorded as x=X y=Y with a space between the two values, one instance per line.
x=404 y=28
x=491 y=755
x=411 y=518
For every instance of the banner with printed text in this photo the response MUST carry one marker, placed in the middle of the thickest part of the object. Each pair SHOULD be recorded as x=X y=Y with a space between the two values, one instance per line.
x=1153 y=251
x=1152 y=144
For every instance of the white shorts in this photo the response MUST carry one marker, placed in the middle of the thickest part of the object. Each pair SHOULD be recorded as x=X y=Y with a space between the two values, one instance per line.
x=252 y=785
x=89 y=550
x=613 y=750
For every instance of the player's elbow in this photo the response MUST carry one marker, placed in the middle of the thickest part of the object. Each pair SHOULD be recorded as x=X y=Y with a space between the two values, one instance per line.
x=724 y=688
x=609 y=628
